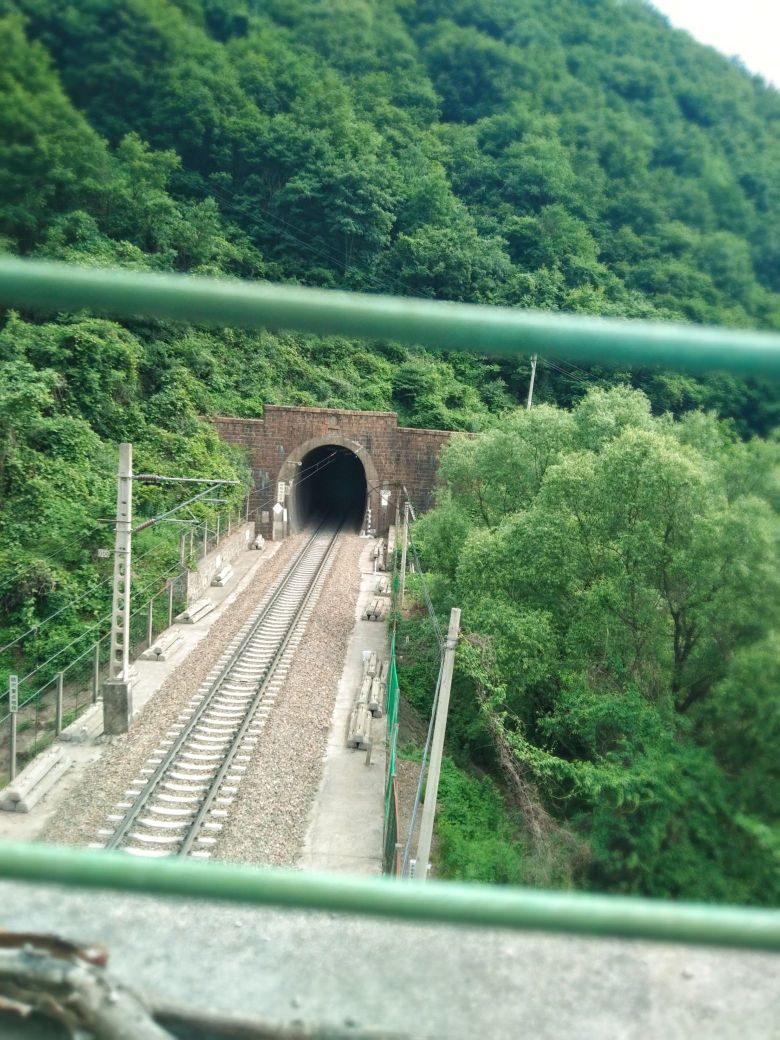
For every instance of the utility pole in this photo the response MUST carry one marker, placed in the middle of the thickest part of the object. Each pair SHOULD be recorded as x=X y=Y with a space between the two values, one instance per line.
x=117 y=689
x=404 y=544
x=530 y=400
x=437 y=749
x=13 y=707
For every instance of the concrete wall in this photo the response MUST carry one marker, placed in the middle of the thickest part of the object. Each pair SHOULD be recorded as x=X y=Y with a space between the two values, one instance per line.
x=199 y=580
x=392 y=456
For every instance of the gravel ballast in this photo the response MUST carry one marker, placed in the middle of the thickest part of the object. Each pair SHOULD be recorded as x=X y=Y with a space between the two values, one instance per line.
x=104 y=783
x=268 y=820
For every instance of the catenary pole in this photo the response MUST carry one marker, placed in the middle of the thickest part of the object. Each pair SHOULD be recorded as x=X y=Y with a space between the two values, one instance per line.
x=437 y=749
x=119 y=662
x=117 y=690
x=530 y=401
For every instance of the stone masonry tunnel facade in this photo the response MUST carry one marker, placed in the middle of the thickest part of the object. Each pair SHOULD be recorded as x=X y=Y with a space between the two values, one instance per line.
x=309 y=463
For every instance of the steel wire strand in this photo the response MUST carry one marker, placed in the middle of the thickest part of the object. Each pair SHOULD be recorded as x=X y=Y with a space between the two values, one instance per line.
x=79 y=599
x=316 y=467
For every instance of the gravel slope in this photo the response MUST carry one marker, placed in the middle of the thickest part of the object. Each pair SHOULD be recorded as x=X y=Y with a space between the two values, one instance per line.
x=105 y=782
x=268 y=820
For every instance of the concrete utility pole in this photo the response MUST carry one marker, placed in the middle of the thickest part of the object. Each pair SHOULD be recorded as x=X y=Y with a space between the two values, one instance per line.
x=404 y=544
x=117 y=690
x=13 y=707
x=530 y=400
x=437 y=749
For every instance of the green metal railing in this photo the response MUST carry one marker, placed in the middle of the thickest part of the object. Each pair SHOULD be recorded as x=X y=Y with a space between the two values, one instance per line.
x=451 y=902
x=55 y=287
x=450 y=326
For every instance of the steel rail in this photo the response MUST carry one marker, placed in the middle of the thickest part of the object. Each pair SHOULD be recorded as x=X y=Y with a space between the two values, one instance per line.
x=216 y=784
x=51 y=287
x=489 y=906
x=142 y=799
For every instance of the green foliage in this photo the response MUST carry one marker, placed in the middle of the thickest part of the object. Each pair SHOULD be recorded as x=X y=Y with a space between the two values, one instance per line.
x=618 y=576
x=477 y=838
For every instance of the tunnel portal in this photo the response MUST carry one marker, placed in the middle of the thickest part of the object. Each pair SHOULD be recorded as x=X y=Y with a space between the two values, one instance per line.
x=380 y=461
x=330 y=484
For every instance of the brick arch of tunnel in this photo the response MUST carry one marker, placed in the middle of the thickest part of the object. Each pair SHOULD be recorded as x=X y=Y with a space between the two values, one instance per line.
x=328 y=477
x=393 y=457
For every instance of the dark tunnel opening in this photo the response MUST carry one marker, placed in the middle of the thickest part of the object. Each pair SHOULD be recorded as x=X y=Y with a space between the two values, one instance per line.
x=330 y=484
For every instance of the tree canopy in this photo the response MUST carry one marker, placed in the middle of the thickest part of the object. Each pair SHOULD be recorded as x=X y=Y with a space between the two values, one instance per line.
x=618 y=575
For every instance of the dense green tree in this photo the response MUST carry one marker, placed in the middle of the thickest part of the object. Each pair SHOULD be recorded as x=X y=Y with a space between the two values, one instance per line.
x=619 y=574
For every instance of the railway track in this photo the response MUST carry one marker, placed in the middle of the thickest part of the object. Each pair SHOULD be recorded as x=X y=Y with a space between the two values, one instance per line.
x=183 y=793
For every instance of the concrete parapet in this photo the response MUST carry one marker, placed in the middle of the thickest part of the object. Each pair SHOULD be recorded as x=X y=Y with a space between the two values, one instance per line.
x=222 y=577
x=376 y=697
x=375 y=611
x=379 y=556
x=228 y=549
x=359 y=735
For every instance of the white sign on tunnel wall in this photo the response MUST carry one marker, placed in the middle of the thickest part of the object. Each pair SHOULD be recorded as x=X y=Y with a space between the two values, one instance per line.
x=384 y=497
x=280 y=491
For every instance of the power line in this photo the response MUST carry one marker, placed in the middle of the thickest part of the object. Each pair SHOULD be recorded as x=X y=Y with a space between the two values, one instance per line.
x=315 y=466
x=73 y=642
x=310 y=470
x=568 y=375
x=75 y=602
x=91 y=628
x=49 y=559
x=569 y=365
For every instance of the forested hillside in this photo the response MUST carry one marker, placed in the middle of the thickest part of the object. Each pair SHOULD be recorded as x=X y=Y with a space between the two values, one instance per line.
x=560 y=154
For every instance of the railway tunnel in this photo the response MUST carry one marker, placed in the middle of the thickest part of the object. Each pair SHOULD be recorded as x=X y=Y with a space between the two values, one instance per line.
x=317 y=460
x=330 y=484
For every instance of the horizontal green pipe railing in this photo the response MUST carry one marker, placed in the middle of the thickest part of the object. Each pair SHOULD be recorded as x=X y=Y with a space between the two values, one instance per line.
x=448 y=902
x=504 y=331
